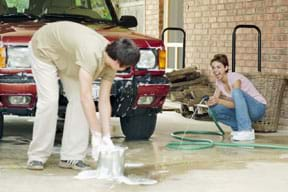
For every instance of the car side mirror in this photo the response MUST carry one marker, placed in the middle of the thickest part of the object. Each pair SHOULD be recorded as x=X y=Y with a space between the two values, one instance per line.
x=128 y=21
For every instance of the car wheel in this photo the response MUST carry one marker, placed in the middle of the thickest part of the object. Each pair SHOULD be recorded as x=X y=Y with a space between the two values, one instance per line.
x=1 y=125
x=138 y=127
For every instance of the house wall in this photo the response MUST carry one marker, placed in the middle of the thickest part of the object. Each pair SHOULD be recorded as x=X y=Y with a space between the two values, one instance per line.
x=209 y=25
x=284 y=111
x=152 y=18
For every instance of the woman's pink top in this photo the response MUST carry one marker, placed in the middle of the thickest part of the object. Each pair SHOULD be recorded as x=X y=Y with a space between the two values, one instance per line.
x=246 y=86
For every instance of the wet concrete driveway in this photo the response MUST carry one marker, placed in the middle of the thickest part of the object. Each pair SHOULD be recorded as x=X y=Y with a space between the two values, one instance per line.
x=218 y=169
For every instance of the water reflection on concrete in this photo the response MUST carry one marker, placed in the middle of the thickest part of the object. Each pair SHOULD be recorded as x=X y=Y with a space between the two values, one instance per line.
x=215 y=169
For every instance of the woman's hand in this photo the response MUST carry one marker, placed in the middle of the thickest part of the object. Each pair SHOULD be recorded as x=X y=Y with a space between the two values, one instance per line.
x=212 y=101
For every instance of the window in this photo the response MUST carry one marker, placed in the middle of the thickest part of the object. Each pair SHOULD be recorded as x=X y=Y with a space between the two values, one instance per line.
x=101 y=8
x=19 y=5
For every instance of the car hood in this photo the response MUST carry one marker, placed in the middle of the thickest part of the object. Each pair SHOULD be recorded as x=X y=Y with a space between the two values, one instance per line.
x=23 y=31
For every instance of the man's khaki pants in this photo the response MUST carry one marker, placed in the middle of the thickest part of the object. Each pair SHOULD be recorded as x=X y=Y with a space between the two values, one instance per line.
x=76 y=130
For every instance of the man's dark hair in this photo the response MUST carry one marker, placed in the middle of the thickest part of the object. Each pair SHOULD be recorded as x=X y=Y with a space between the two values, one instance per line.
x=221 y=58
x=125 y=51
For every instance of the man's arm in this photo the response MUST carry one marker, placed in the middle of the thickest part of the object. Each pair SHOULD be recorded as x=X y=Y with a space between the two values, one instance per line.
x=105 y=106
x=87 y=100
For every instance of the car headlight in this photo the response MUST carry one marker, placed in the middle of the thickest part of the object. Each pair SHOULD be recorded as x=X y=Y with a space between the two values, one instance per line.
x=18 y=57
x=145 y=100
x=147 y=59
x=19 y=100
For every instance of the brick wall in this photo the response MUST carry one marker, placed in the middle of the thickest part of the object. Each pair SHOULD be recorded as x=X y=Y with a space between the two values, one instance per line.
x=152 y=18
x=209 y=25
x=284 y=112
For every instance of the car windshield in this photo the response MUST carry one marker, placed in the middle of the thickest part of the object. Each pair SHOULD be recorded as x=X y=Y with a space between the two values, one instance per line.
x=78 y=9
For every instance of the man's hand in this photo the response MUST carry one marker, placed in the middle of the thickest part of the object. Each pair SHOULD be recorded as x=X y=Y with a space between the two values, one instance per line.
x=96 y=140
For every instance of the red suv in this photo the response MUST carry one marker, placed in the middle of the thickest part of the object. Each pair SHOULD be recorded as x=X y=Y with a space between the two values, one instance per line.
x=137 y=94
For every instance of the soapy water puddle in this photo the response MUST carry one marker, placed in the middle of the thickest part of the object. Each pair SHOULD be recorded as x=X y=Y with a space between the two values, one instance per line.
x=129 y=180
x=110 y=166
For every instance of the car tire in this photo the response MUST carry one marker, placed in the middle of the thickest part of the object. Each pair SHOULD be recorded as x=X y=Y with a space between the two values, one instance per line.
x=138 y=127
x=1 y=125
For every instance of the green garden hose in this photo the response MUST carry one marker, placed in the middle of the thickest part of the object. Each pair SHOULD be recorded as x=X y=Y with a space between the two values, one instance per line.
x=188 y=143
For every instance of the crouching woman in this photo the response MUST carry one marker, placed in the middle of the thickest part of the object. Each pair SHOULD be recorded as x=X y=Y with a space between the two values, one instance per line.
x=236 y=102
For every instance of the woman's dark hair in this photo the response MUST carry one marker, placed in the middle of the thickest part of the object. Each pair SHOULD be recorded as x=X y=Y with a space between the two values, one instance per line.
x=125 y=51
x=221 y=58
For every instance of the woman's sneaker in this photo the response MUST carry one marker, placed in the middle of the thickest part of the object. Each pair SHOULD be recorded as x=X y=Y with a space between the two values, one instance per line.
x=35 y=165
x=243 y=135
x=73 y=164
